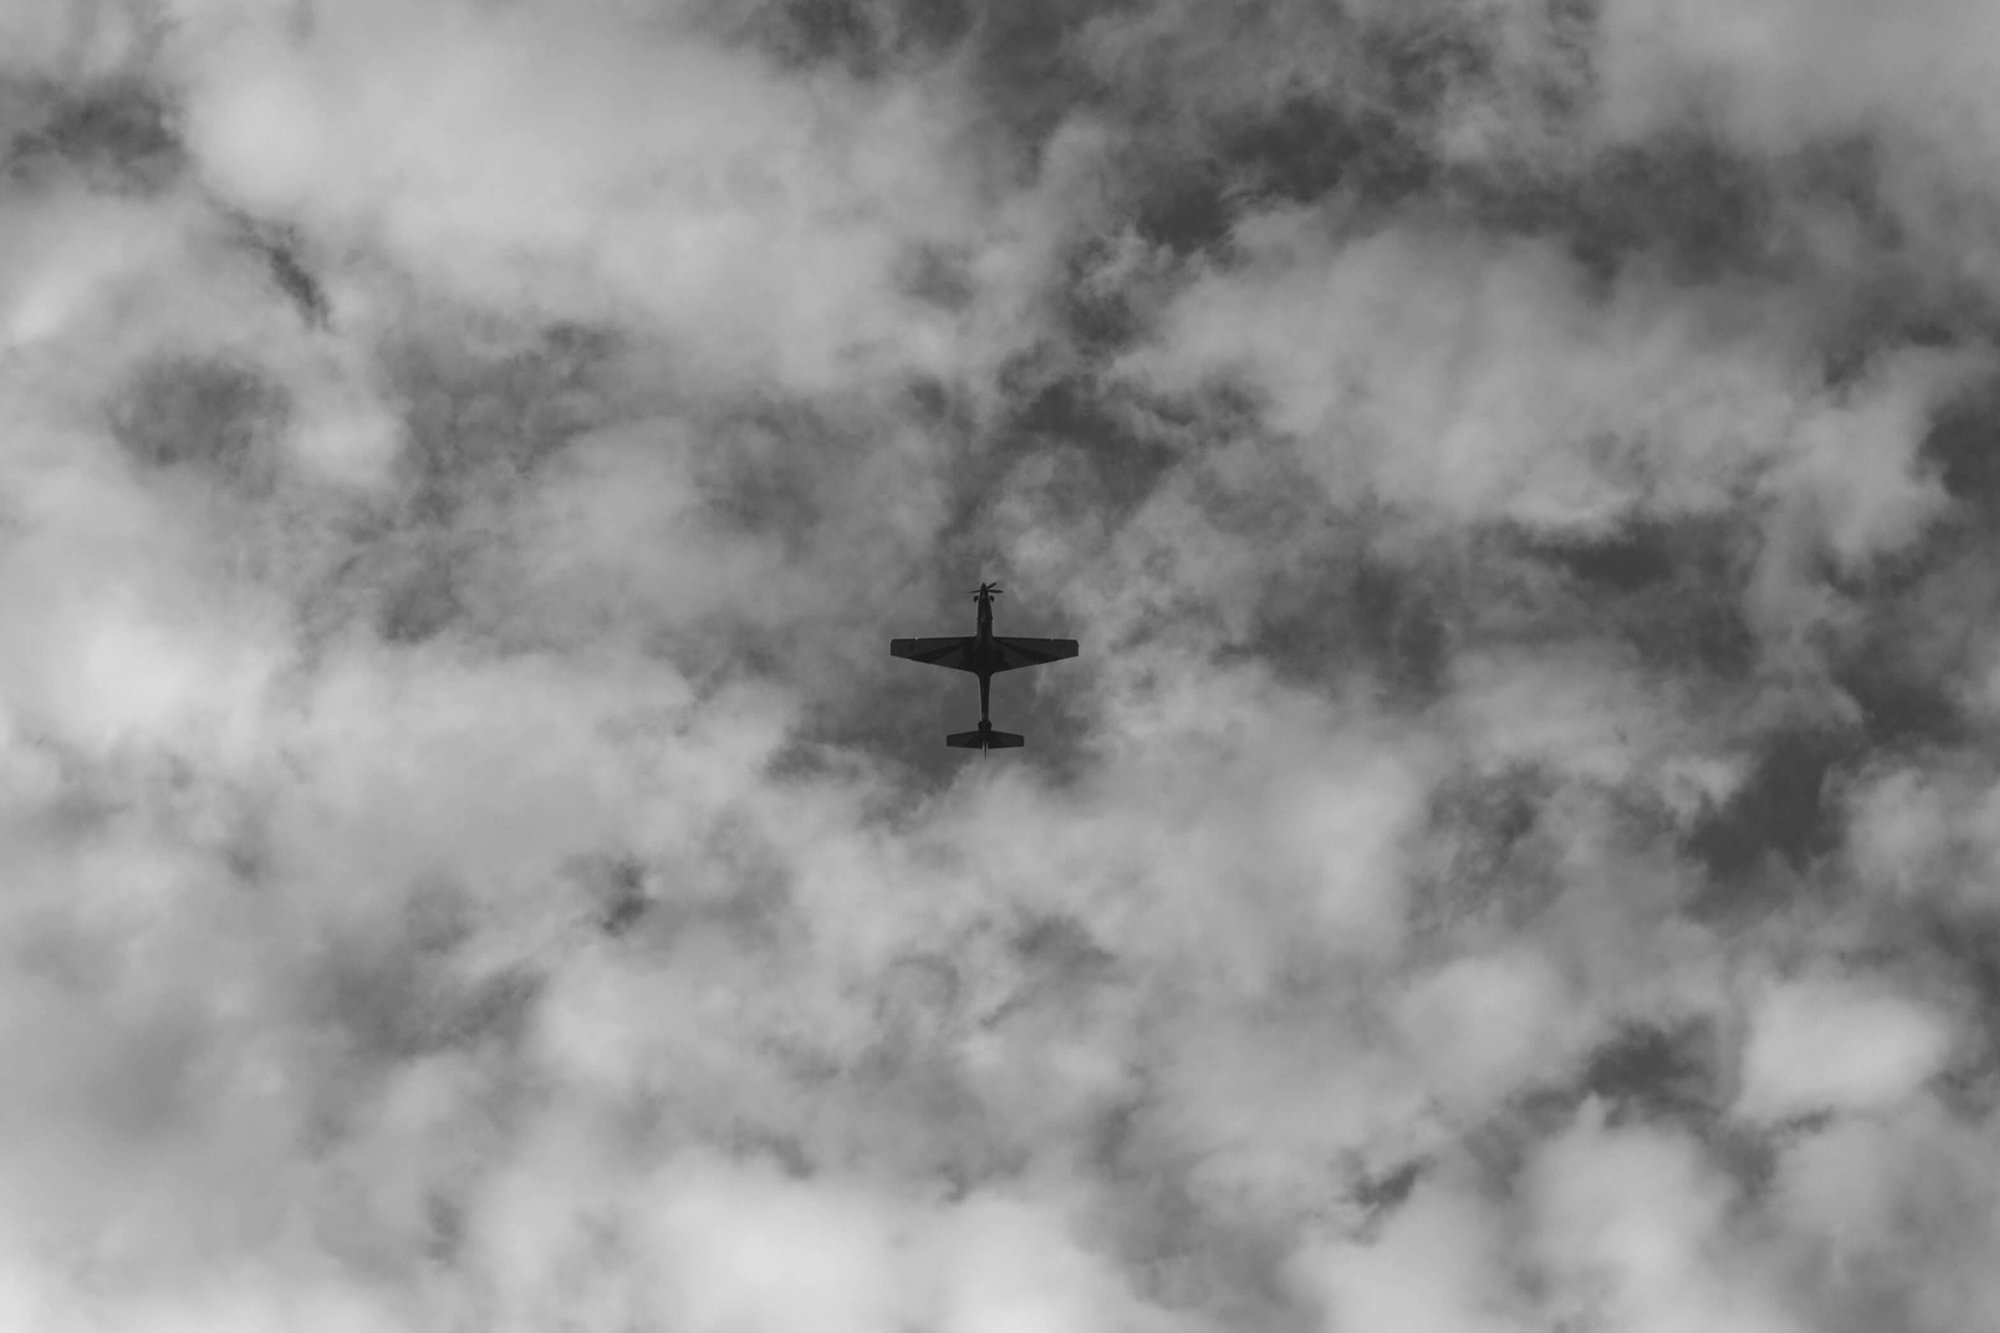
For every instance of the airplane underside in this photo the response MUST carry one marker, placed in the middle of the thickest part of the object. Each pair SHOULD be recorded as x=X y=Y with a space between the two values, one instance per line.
x=983 y=654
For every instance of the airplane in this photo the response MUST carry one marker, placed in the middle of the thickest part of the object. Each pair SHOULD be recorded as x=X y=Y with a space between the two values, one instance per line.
x=983 y=655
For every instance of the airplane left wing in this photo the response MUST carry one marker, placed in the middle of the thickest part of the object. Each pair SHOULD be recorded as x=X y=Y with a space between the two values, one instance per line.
x=1015 y=653
x=953 y=653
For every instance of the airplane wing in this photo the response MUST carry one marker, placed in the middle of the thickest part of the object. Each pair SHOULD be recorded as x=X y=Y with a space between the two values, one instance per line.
x=953 y=653
x=1030 y=652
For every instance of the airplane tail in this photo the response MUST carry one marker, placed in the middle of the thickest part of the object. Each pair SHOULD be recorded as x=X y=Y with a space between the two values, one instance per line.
x=985 y=739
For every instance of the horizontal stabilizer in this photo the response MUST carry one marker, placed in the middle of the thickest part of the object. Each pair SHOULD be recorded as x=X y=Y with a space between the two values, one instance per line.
x=985 y=740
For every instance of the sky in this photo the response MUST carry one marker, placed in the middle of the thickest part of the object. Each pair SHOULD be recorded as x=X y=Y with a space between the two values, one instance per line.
x=1517 y=852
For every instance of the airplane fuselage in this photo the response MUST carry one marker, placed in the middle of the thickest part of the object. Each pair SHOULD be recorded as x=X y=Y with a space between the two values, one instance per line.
x=984 y=655
x=985 y=633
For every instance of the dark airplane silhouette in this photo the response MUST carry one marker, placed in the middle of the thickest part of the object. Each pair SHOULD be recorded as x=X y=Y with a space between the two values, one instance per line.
x=982 y=654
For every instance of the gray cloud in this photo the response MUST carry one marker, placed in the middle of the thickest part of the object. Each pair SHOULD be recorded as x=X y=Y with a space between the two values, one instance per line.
x=1513 y=853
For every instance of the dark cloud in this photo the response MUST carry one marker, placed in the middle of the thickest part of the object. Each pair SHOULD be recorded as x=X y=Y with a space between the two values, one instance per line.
x=119 y=137
x=1782 y=814
x=868 y=38
x=1656 y=1071
x=1961 y=446
x=214 y=416
x=294 y=278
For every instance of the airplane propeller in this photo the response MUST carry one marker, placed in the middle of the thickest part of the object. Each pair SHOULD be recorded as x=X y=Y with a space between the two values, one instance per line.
x=986 y=589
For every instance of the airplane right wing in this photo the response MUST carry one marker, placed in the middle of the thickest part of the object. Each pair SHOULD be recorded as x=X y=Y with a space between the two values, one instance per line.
x=953 y=653
x=1032 y=652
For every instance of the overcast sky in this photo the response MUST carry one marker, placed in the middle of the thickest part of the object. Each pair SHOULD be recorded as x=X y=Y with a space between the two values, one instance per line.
x=1519 y=850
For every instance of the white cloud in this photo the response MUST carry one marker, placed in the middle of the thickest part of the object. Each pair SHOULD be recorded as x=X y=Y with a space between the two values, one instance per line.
x=1920 y=832
x=1012 y=1266
x=1635 y=1231
x=1786 y=76
x=78 y=42
x=1818 y=1044
x=1891 y=1212
x=1481 y=1027
x=608 y=169
x=1467 y=379
x=1857 y=473
x=1785 y=72
x=1437 y=1267
x=741 y=1249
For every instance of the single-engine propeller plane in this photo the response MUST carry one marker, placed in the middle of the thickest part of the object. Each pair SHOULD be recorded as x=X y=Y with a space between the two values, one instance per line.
x=983 y=654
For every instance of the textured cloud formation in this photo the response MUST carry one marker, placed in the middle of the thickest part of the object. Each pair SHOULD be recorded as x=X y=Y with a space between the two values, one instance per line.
x=1517 y=851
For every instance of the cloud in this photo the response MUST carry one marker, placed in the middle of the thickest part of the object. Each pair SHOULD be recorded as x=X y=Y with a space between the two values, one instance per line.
x=1786 y=73
x=1818 y=1046
x=621 y=168
x=1511 y=851
x=1635 y=1231
x=1879 y=1208
x=1435 y=1269
x=1482 y=1022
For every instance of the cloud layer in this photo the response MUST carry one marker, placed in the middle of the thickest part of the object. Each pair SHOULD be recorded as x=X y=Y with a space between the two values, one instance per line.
x=1515 y=852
